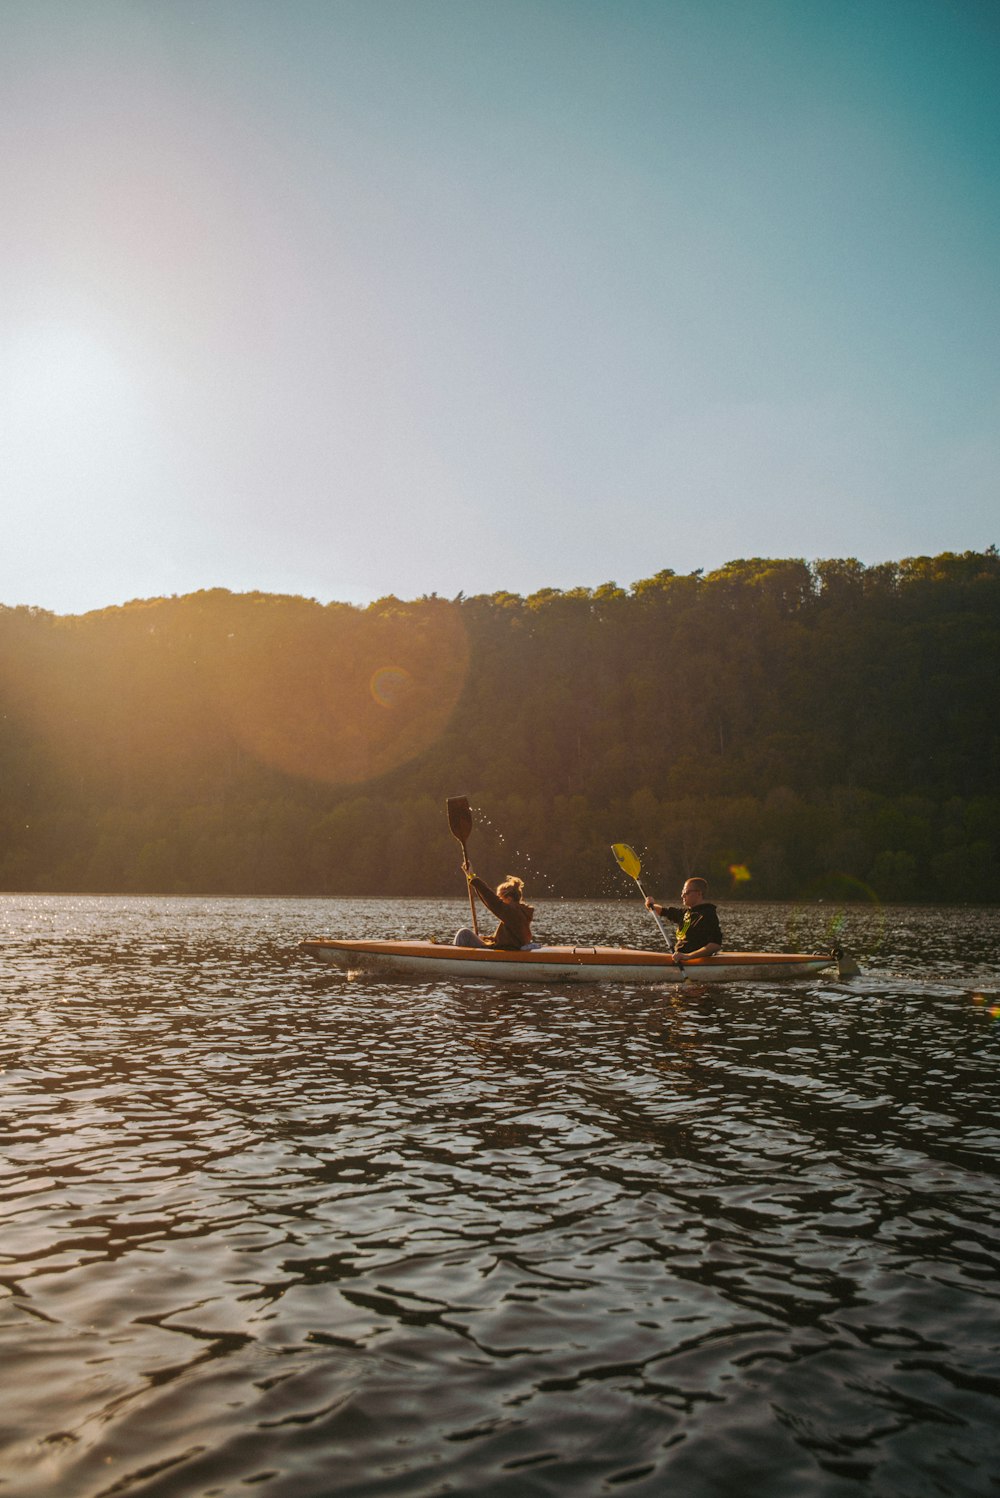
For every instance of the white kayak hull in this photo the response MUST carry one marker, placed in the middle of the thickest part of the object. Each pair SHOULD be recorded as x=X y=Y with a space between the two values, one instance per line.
x=557 y=964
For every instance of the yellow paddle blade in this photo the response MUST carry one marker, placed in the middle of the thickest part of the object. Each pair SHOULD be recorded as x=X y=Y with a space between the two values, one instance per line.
x=628 y=859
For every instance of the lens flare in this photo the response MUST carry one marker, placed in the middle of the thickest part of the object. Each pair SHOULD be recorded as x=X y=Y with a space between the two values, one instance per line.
x=739 y=873
x=330 y=692
x=343 y=695
x=389 y=685
x=989 y=1003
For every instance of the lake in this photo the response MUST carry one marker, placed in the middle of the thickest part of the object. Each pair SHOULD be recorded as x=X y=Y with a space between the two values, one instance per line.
x=271 y=1230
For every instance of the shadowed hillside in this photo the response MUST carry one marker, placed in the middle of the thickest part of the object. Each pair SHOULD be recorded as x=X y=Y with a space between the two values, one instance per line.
x=821 y=729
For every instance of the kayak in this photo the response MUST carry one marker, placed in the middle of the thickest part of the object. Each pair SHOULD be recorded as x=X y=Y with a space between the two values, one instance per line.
x=431 y=959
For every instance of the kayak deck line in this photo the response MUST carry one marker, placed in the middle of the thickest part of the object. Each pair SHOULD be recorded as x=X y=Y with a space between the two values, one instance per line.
x=582 y=963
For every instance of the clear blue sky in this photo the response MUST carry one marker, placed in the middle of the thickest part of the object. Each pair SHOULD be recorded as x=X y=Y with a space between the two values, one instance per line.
x=356 y=297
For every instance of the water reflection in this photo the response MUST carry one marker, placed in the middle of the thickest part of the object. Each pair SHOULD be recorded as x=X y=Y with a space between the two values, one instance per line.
x=265 y=1226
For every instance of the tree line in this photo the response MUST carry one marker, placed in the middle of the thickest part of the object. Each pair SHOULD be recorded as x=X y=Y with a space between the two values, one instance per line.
x=786 y=729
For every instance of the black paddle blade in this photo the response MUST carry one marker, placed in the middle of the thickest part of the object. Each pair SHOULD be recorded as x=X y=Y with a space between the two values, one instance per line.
x=460 y=818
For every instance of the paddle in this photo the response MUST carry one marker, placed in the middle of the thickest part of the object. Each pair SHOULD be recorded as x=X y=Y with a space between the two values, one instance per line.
x=628 y=862
x=460 y=822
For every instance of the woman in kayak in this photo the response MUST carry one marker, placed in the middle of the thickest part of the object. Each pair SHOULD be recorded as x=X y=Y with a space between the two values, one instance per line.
x=514 y=931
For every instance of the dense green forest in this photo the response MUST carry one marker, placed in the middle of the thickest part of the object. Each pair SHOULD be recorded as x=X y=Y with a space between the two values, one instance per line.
x=787 y=730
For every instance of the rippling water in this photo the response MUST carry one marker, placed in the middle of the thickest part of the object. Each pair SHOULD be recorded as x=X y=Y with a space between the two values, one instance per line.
x=269 y=1229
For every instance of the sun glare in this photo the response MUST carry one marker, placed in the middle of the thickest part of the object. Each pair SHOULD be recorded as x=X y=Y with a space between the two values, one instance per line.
x=71 y=405
x=317 y=697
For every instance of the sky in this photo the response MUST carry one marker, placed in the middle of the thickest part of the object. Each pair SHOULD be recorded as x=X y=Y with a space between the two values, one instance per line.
x=350 y=298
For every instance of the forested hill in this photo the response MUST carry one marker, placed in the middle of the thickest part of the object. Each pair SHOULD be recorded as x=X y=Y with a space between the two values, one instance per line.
x=785 y=729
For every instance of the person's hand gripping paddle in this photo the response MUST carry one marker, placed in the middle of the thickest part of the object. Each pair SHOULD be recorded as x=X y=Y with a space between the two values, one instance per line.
x=628 y=862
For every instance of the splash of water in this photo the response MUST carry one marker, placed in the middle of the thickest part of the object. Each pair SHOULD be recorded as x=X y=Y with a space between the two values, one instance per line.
x=534 y=876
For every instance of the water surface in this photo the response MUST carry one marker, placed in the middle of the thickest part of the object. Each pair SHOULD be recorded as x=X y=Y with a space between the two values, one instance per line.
x=267 y=1229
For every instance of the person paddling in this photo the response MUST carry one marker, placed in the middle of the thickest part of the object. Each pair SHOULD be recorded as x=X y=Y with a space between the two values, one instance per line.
x=514 y=915
x=698 y=931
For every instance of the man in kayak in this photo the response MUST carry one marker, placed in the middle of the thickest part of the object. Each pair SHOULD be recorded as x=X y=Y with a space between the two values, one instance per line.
x=514 y=930
x=698 y=930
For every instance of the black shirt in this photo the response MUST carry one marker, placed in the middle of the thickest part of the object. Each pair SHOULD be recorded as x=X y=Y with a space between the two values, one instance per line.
x=696 y=927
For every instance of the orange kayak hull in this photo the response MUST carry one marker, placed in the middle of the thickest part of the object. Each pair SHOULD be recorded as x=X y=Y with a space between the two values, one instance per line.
x=557 y=964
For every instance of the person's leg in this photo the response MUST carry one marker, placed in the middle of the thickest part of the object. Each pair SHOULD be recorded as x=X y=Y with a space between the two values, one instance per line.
x=467 y=938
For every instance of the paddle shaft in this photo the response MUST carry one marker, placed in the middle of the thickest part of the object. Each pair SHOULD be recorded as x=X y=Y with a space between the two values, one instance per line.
x=472 y=898
x=663 y=929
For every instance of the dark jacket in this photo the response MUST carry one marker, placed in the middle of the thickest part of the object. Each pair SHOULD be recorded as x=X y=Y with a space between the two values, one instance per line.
x=696 y=927
x=514 y=930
